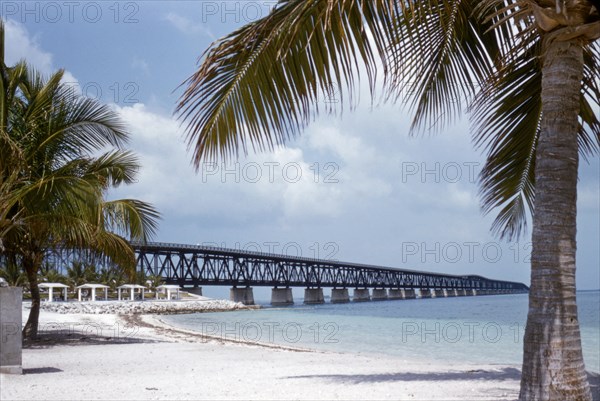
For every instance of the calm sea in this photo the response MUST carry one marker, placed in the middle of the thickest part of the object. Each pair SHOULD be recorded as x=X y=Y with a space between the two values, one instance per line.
x=470 y=329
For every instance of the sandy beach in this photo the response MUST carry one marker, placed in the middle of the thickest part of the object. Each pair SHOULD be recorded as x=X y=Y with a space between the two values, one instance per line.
x=138 y=357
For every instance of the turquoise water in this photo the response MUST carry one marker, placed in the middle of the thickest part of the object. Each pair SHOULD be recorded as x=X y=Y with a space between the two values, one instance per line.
x=470 y=329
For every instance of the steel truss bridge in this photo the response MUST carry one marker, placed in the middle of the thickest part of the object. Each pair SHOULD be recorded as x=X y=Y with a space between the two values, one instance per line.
x=194 y=265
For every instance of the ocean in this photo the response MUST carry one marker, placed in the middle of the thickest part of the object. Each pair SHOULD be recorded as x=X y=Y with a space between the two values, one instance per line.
x=482 y=329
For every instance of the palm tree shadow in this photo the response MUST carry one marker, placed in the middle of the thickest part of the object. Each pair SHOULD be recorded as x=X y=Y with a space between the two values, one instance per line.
x=496 y=375
x=36 y=371
x=594 y=379
x=48 y=340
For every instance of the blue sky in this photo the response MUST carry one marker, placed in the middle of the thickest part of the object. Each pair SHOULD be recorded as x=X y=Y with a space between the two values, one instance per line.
x=356 y=188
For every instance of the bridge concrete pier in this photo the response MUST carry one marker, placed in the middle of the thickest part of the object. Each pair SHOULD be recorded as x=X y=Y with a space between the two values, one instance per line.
x=437 y=294
x=195 y=290
x=450 y=293
x=395 y=293
x=282 y=297
x=244 y=295
x=361 y=295
x=339 y=296
x=426 y=293
x=379 y=294
x=314 y=296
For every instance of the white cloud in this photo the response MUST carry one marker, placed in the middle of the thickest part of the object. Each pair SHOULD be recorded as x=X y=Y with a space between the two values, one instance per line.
x=141 y=64
x=188 y=27
x=349 y=148
x=281 y=183
x=19 y=45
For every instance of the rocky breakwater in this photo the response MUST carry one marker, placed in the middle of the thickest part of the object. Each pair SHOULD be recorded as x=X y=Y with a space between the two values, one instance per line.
x=143 y=307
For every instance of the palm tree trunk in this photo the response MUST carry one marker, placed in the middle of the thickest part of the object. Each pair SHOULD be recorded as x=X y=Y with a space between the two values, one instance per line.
x=553 y=367
x=31 y=266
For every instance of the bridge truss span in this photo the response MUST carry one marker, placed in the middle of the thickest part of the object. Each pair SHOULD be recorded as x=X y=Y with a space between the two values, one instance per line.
x=190 y=265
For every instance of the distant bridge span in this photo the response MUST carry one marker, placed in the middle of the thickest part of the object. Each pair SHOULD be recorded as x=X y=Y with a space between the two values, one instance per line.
x=196 y=266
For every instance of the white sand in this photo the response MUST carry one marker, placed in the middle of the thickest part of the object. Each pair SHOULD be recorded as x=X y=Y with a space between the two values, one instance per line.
x=155 y=362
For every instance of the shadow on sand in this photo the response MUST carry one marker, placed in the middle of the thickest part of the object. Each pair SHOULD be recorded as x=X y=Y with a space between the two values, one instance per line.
x=494 y=375
x=48 y=340
x=37 y=371
x=594 y=379
x=498 y=375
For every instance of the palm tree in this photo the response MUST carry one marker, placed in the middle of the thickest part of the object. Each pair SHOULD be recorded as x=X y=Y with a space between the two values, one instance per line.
x=57 y=173
x=112 y=277
x=9 y=150
x=153 y=281
x=49 y=274
x=526 y=69
x=80 y=273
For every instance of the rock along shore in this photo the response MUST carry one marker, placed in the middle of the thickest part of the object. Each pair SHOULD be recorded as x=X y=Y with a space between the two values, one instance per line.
x=143 y=307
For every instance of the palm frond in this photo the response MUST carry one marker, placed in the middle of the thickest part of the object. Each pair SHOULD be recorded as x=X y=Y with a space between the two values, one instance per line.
x=117 y=249
x=506 y=122
x=130 y=218
x=89 y=124
x=445 y=53
x=262 y=84
x=76 y=123
x=114 y=168
x=589 y=130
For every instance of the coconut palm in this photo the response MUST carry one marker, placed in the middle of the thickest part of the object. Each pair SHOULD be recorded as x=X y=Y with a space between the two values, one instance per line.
x=153 y=281
x=527 y=72
x=48 y=273
x=80 y=273
x=66 y=152
x=112 y=277
x=9 y=150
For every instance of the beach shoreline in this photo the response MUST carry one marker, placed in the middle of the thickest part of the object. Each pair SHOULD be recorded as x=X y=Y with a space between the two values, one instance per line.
x=193 y=305
x=132 y=357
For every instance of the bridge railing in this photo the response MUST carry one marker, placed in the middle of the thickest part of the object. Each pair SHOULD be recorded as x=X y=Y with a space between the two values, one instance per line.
x=221 y=249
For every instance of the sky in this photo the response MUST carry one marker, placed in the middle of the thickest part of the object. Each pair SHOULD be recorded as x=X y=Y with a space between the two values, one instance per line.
x=354 y=187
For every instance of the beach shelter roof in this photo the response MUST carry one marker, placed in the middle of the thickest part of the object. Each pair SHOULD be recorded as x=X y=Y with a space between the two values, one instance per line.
x=169 y=287
x=130 y=286
x=92 y=285
x=53 y=285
